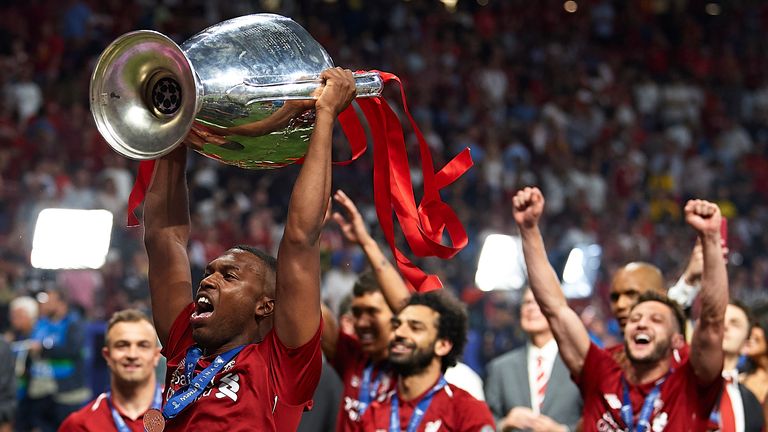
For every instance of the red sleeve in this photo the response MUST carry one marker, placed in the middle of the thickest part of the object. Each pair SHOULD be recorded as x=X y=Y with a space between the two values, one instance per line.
x=347 y=353
x=596 y=366
x=180 y=336
x=295 y=371
x=71 y=424
x=476 y=416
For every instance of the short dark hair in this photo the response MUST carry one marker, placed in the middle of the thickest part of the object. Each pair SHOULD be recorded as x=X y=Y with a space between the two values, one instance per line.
x=125 y=315
x=366 y=283
x=661 y=298
x=268 y=259
x=452 y=321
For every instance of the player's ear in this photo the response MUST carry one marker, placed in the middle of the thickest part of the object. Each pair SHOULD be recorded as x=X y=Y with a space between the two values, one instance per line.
x=265 y=307
x=443 y=347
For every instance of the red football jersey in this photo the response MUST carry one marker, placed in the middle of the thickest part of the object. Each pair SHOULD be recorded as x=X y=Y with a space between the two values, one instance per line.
x=452 y=410
x=97 y=416
x=350 y=362
x=266 y=387
x=683 y=404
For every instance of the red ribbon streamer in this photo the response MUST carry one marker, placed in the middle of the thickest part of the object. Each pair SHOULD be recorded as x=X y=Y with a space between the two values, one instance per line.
x=423 y=226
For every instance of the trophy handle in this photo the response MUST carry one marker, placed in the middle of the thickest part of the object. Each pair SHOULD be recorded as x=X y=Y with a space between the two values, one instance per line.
x=368 y=84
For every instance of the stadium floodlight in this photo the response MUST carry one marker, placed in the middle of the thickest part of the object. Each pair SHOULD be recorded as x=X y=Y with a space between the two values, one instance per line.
x=501 y=265
x=580 y=271
x=71 y=239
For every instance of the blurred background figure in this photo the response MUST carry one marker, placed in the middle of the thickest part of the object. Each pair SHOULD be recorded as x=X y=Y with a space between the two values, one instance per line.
x=57 y=385
x=755 y=376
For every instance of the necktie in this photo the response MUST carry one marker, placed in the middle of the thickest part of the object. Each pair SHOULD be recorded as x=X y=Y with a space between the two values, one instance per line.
x=541 y=382
x=727 y=418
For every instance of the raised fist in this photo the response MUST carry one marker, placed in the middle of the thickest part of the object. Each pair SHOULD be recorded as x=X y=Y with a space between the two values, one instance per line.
x=703 y=216
x=528 y=205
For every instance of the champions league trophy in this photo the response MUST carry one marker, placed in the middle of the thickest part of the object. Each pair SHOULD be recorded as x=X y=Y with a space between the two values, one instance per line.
x=243 y=80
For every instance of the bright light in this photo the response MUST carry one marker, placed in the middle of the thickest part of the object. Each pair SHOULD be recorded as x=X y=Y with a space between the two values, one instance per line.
x=71 y=239
x=713 y=9
x=580 y=271
x=570 y=6
x=501 y=265
x=450 y=4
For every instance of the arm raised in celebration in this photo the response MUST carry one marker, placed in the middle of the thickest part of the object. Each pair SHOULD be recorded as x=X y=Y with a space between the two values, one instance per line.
x=297 y=303
x=570 y=333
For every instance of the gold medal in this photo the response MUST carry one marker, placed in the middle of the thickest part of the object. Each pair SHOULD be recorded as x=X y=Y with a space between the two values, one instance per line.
x=154 y=421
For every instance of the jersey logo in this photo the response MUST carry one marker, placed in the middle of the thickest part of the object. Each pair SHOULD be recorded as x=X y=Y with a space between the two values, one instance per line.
x=229 y=387
x=433 y=426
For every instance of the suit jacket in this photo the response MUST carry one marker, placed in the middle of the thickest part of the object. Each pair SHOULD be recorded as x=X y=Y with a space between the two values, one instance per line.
x=753 y=411
x=507 y=387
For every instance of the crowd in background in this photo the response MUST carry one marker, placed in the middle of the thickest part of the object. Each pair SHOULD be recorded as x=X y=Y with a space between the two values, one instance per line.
x=621 y=111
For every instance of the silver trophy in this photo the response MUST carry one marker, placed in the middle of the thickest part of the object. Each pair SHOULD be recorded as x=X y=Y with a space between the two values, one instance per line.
x=245 y=80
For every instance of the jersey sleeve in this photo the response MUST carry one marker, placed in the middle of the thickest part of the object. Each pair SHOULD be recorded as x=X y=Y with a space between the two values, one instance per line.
x=347 y=352
x=180 y=335
x=476 y=417
x=597 y=363
x=295 y=372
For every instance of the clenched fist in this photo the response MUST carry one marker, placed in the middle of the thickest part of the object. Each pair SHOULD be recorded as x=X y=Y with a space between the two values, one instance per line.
x=703 y=216
x=528 y=205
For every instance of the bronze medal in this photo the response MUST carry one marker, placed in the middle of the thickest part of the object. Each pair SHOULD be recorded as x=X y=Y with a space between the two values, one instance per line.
x=154 y=421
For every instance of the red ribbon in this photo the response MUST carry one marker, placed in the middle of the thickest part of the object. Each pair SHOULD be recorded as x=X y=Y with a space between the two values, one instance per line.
x=423 y=226
x=139 y=191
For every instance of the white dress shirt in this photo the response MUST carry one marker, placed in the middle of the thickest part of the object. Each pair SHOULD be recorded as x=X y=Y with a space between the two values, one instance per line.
x=548 y=354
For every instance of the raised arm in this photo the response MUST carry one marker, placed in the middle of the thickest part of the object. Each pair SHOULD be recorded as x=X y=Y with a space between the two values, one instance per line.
x=570 y=333
x=353 y=227
x=297 y=303
x=707 y=344
x=166 y=233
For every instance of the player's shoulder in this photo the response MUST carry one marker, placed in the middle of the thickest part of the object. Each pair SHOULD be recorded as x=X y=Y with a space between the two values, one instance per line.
x=473 y=414
x=83 y=417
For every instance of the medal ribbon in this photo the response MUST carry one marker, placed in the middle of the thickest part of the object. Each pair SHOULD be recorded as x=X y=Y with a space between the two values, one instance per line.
x=366 y=392
x=418 y=412
x=120 y=425
x=189 y=393
x=627 y=416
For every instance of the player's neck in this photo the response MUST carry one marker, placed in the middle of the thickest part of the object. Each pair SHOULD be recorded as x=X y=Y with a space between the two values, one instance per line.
x=540 y=339
x=643 y=373
x=133 y=400
x=730 y=361
x=412 y=386
x=379 y=356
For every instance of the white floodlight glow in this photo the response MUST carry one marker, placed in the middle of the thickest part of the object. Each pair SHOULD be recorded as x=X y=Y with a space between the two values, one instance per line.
x=71 y=239
x=501 y=265
x=580 y=271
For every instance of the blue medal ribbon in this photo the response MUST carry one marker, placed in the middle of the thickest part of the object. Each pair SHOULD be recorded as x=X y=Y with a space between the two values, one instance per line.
x=644 y=421
x=118 y=419
x=189 y=393
x=418 y=412
x=366 y=392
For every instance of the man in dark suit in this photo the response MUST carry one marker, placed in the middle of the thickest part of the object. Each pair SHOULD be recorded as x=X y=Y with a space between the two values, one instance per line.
x=529 y=388
x=738 y=410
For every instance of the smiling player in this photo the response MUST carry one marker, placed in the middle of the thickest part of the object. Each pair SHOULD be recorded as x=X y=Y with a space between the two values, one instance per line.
x=645 y=393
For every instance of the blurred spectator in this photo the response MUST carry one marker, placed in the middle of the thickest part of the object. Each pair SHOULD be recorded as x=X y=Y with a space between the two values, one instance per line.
x=529 y=387
x=57 y=378
x=7 y=387
x=755 y=376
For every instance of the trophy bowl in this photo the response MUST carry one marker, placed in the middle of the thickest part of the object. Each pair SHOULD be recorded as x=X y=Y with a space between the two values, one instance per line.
x=246 y=81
